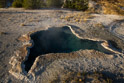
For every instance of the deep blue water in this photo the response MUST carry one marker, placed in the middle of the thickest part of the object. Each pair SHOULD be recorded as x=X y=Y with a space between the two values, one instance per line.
x=58 y=40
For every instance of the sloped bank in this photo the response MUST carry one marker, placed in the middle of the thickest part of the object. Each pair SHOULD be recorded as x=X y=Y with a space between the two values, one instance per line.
x=59 y=40
x=70 y=59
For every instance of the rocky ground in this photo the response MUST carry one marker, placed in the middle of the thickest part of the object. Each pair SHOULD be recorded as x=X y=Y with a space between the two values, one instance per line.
x=16 y=22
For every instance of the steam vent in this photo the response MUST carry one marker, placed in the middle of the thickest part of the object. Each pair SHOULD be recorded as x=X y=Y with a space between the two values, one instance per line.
x=58 y=50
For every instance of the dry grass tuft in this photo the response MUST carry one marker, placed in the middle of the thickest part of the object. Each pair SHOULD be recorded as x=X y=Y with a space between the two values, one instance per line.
x=22 y=24
x=99 y=25
x=111 y=6
x=84 y=77
x=9 y=19
x=2 y=33
x=115 y=7
x=77 y=17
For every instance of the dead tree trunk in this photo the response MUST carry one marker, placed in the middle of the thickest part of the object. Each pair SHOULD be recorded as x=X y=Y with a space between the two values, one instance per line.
x=64 y=2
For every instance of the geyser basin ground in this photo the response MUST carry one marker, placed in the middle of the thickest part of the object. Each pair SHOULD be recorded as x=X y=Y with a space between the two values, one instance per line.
x=59 y=40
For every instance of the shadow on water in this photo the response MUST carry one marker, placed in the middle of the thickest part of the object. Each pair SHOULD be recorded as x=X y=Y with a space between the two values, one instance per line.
x=58 y=40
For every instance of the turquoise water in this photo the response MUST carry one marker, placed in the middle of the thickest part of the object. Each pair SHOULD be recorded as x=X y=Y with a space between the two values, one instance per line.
x=58 y=40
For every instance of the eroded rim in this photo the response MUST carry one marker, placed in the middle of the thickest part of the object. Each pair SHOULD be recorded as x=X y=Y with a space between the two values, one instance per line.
x=17 y=61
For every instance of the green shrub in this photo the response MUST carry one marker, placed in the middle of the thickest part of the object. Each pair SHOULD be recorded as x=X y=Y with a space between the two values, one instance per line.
x=54 y=3
x=2 y=3
x=32 y=4
x=76 y=4
x=17 y=3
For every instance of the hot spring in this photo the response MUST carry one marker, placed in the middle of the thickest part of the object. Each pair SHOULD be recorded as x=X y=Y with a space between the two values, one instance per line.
x=59 y=40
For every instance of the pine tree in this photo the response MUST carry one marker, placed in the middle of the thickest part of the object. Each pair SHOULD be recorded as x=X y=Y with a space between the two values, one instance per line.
x=3 y=3
x=17 y=3
x=54 y=3
x=76 y=4
x=32 y=4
